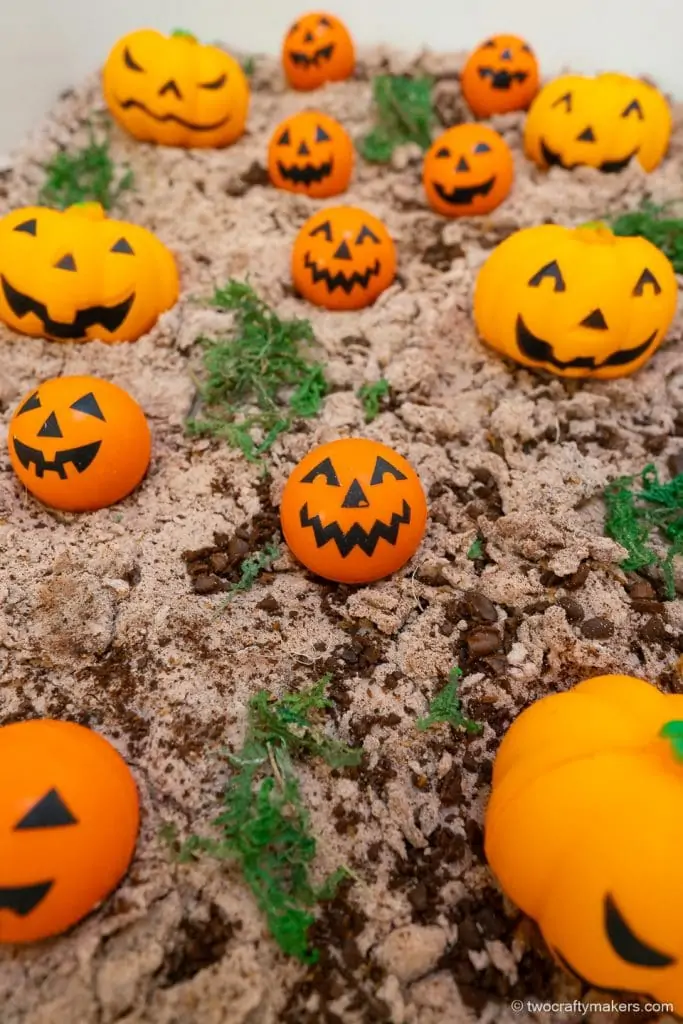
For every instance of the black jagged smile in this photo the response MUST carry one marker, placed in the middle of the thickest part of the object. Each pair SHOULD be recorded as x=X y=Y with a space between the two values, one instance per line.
x=463 y=196
x=356 y=536
x=347 y=282
x=502 y=79
x=80 y=458
x=109 y=317
x=542 y=351
x=554 y=159
x=22 y=899
x=306 y=175
x=164 y=118
x=307 y=60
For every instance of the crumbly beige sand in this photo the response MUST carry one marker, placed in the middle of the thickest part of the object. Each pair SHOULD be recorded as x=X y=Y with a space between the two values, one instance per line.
x=99 y=622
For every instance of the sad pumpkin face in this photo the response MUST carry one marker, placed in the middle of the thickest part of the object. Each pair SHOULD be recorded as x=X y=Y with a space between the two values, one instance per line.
x=353 y=511
x=499 y=76
x=79 y=443
x=576 y=302
x=69 y=819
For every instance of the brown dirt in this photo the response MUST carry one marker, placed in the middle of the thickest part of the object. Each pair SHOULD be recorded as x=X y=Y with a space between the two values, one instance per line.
x=103 y=619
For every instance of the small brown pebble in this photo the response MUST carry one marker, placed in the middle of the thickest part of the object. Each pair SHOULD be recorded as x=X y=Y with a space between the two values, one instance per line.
x=654 y=629
x=219 y=561
x=648 y=607
x=469 y=935
x=418 y=897
x=598 y=628
x=447 y=628
x=641 y=591
x=578 y=578
x=497 y=663
x=237 y=547
x=206 y=585
x=483 y=640
x=373 y=852
x=420 y=781
x=480 y=607
x=537 y=608
x=450 y=788
x=269 y=604
x=675 y=463
x=572 y=609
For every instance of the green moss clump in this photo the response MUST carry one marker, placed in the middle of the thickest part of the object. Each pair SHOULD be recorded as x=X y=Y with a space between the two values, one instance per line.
x=85 y=175
x=404 y=113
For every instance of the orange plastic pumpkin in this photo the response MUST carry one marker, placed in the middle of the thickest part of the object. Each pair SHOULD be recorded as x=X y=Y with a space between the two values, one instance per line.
x=317 y=49
x=174 y=91
x=76 y=275
x=79 y=443
x=343 y=258
x=312 y=154
x=69 y=817
x=353 y=511
x=500 y=75
x=584 y=831
x=468 y=170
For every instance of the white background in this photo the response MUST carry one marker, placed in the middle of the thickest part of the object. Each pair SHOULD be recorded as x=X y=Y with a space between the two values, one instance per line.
x=48 y=45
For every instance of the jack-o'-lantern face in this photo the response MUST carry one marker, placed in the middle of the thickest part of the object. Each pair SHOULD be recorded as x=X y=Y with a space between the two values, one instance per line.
x=79 y=443
x=499 y=76
x=603 y=122
x=353 y=511
x=343 y=258
x=76 y=275
x=468 y=170
x=174 y=91
x=317 y=49
x=578 y=302
x=68 y=826
x=312 y=154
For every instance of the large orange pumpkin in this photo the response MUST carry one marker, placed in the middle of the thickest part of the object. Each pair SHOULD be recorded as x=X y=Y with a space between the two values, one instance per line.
x=317 y=49
x=500 y=75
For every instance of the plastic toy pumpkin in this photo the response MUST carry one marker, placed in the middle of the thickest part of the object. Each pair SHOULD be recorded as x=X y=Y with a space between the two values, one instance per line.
x=317 y=49
x=69 y=817
x=584 y=830
x=468 y=170
x=175 y=91
x=76 y=275
x=79 y=443
x=500 y=75
x=604 y=122
x=343 y=258
x=312 y=154
x=576 y=302
x=353 y=511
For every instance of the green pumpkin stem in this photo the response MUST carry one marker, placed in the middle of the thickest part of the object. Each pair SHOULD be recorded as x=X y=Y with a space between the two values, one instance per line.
x=183 y=33
x=673 y=731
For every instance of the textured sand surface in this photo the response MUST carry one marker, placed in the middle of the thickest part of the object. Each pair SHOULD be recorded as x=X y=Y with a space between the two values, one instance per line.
x=99 y=621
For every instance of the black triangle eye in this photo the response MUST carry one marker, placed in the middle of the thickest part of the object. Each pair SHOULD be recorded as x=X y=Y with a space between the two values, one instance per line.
x=444 y=151
x=482 y=147
x=382 y=467
x=129 y=62
x=49 y=812
x=323 y=229
x=634 y=107
x=321 y=135
x=567 y=100
x=325 y=21
x=31 y=403
x=324 y=468
x=551 y=270
x=488 y=45
x=647 y=277
x=364 y=233
x=122 y=246
x=284 y=139
x=29 y=227
x=88 y=405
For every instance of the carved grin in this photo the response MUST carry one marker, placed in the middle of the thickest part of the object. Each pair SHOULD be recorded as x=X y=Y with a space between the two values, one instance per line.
x=464 y=196
x=22 y=899
x=80 y=458
x=502 y=79
x=163 y=118
x=356 y=536
x=109 y=317
x=305 y=175
x=554 y=159
x=542 y=351
x=347 y=282
x=307 y=60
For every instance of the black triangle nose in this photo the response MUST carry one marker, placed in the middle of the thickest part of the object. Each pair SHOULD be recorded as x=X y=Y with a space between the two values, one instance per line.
x=50 y=427
x=303 y=150
x=309 y=37
x=462 y=164
x=355 y=498
x=586 y=135
x=66 y=263
x=170 y=86
x=595 y=320
x=506 y=55
x=343 y=252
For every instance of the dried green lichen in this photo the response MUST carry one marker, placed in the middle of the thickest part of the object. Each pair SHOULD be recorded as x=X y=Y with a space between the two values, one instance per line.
x=404 y=113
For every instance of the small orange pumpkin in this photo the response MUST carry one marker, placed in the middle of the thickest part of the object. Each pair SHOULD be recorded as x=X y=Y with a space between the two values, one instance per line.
x=468 y=170
x=312 y=154
x=69 y=816
x=500 y=75
x=317 y=49
x=79 y=443
x=353 y=511
x=343 y=258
